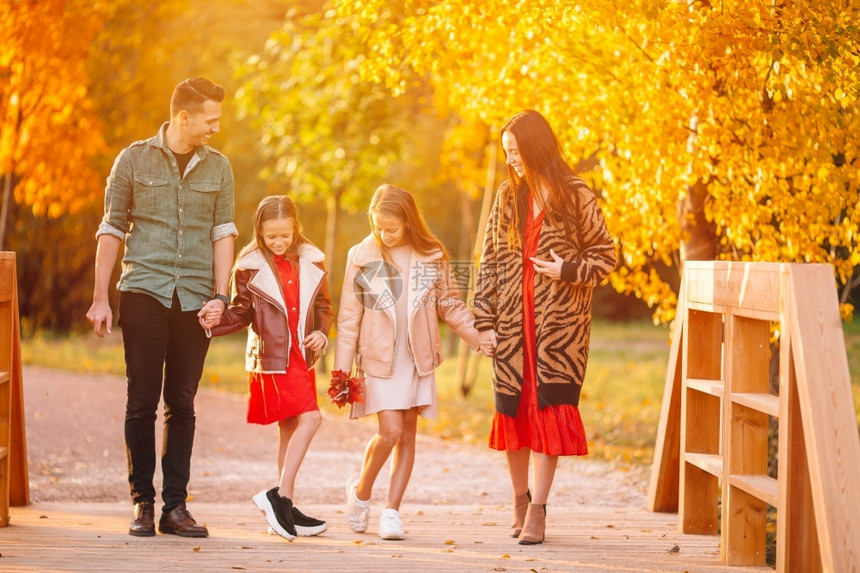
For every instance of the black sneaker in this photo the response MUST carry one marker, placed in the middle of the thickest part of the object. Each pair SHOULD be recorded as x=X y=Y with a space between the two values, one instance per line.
x=307 y=526
x=278 y=510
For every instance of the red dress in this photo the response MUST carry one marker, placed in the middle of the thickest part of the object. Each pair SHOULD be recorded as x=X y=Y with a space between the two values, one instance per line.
x=275 y=397
x=555 y=430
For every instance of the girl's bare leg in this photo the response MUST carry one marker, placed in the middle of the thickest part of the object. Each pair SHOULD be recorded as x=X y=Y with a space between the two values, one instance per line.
x=404 y=459
x=306 y=427
x=378 y=449
x=285 y=432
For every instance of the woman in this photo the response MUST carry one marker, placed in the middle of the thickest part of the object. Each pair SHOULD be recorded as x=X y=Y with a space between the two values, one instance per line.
x=546 y=247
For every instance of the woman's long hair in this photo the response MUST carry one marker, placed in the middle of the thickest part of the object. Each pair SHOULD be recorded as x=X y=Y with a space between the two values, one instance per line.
x=397 y=202
x=544 y=166
x=275 y=207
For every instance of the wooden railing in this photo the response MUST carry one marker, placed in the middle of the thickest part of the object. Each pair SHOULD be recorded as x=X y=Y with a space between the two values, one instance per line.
x=14 y=478
x=712 y=439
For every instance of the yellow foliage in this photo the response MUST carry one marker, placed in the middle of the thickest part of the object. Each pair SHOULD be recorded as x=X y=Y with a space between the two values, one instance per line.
x=49 y=131
x=758 y=101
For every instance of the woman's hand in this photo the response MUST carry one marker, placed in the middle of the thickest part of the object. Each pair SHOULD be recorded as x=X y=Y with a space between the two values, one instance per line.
x=488 y=342
x=315 y=341
x=552 y=268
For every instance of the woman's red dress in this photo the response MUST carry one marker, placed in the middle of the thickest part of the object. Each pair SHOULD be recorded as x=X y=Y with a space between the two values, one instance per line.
x=555 y=430
x=275 y=397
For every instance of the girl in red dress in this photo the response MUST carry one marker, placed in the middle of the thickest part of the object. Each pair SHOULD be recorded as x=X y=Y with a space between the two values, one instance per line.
x=545 y=247
x=280 y=292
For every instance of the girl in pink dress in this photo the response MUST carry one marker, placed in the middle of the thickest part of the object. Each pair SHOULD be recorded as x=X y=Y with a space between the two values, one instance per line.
x=397 y=285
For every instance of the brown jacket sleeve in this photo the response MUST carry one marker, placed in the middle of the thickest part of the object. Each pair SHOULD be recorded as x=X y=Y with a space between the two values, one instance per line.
x=240 y=312
x=323 y=315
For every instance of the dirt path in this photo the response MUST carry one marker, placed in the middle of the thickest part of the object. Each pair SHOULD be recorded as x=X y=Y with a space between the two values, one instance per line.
x=76 y=453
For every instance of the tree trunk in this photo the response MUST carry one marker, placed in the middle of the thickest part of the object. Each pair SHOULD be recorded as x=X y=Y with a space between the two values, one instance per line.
x=331 y=227
x=465 y=376
x=698 y=235
x=4 y=212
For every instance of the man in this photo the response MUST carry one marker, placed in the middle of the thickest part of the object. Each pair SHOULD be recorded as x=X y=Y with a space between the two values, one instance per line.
x=170 y=198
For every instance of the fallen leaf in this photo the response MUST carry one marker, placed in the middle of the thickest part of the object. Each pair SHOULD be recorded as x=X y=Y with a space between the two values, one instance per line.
x=505 y=556
x=450 y=542
x=675 y=549
x=196 y=549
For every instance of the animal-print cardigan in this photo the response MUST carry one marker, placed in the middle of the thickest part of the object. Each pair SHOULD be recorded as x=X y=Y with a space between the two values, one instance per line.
x=562 y=307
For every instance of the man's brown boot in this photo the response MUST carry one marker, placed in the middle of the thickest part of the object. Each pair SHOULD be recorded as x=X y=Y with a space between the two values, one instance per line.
x=143 y=524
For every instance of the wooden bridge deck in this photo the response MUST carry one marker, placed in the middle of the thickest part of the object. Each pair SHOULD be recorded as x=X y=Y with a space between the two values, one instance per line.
x=456 y=512
x=92 y=537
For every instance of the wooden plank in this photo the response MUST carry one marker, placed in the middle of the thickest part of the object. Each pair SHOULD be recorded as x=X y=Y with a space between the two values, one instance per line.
x=826 y=406
x=698 y=509
x=711 y=463
x=666 y=466
x=710 y=387
x=701 y=420
x=797 y=549
x=745 y=437
x=706 y=307
x=761 y=487
x=440 y=538
x=745 y=522
x=704 y=340
x=19 y=473
x=703 y=417
x=755 y=314
x=738 y=285
x=767 y=403
x=7 y=334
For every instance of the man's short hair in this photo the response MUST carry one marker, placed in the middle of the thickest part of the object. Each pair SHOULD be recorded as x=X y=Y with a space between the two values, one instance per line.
x=190 y=95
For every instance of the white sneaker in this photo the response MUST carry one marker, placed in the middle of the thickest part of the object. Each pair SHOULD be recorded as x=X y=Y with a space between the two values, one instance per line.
x=357 y=511
x=390 y=526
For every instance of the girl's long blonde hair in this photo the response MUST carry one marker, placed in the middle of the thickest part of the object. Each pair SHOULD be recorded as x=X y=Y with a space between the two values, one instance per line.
x=397 y=202
x=275 y=207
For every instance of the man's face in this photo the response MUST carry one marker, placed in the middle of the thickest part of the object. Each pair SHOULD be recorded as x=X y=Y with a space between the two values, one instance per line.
x=198 y=127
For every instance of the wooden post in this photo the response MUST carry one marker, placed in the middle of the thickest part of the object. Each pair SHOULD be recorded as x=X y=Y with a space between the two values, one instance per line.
x=13 y=448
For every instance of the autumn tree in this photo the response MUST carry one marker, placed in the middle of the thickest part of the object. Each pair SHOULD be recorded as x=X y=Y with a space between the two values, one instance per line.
x=717 y=129
x=331 y=136
x=49 y=137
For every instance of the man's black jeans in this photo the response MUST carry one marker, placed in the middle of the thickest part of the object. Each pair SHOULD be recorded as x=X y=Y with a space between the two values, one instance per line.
x=162 y=345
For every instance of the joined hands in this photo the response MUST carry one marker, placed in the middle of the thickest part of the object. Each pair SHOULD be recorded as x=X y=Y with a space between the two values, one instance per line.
x=488 y=342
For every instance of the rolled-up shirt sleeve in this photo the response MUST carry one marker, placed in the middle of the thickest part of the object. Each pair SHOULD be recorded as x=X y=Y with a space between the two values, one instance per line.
x=118 y=194
x=223 y=223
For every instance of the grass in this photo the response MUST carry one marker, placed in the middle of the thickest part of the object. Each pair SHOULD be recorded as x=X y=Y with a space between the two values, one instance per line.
x=620 y=404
